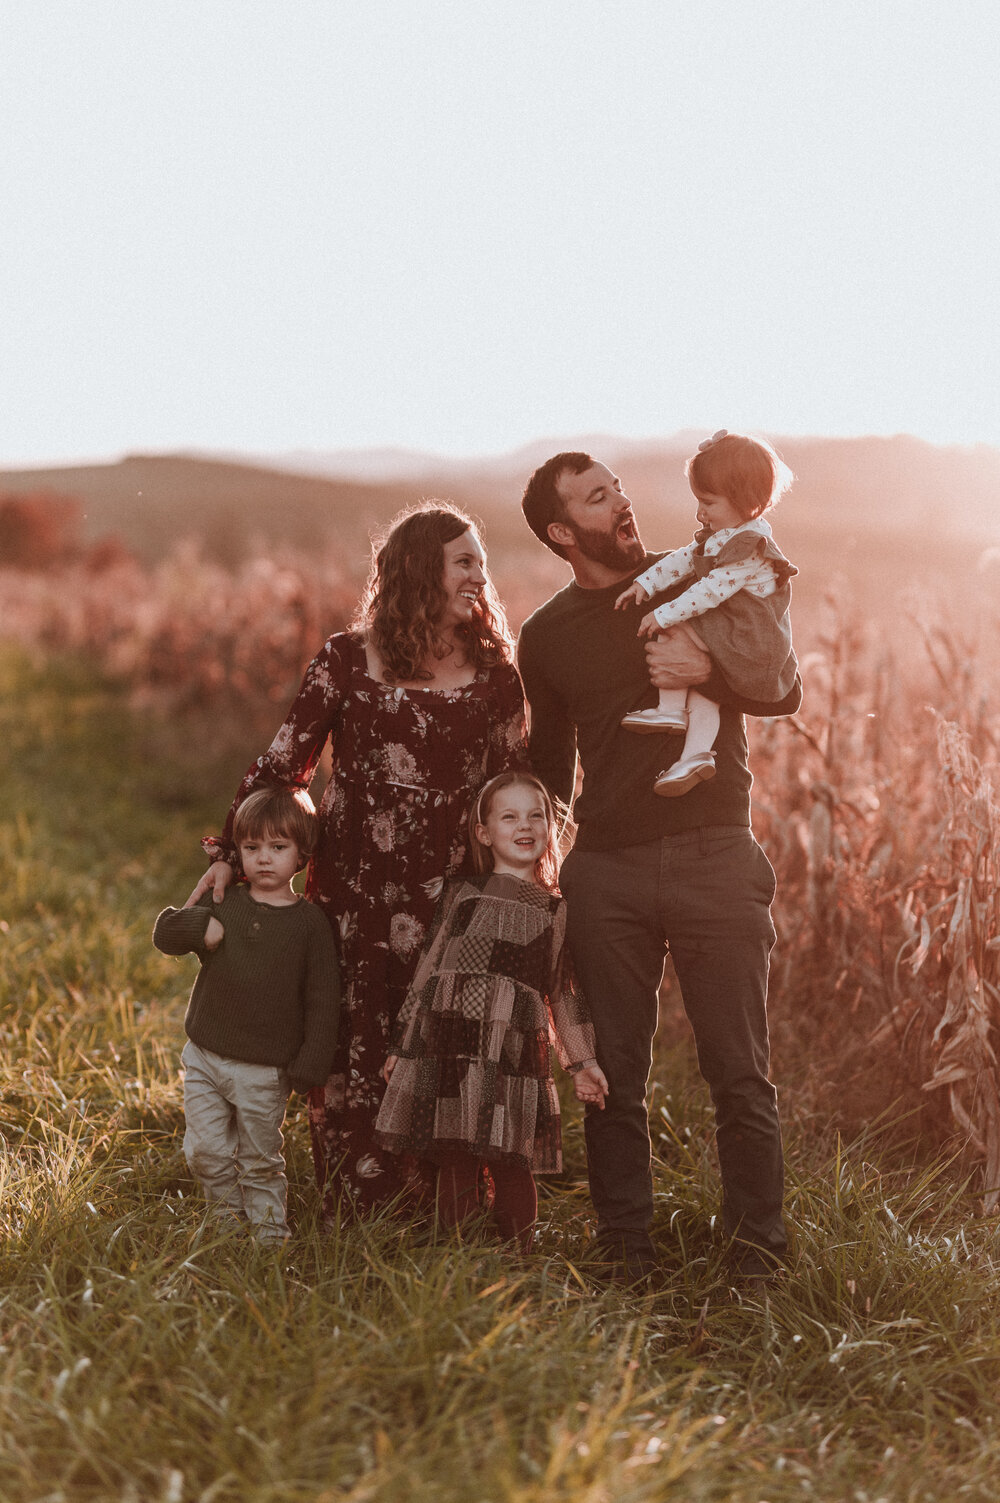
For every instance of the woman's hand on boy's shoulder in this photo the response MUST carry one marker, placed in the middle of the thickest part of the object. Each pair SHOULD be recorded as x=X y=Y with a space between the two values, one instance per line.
x=215 y=880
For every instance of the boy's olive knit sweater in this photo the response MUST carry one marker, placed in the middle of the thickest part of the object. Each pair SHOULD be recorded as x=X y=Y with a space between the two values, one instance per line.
x=270 y=993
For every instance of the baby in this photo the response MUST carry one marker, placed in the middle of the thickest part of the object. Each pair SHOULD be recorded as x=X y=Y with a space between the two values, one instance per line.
x=733 y=566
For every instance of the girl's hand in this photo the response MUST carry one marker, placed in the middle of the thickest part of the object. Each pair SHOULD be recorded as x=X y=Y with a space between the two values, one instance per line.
x=214 y=934
x=591 y=1085
x=634 y=595
x=388 y=1067
x=218 y=878
x=648 y=626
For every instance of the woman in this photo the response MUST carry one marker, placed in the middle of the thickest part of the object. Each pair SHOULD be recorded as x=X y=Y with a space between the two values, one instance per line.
x=422 y=704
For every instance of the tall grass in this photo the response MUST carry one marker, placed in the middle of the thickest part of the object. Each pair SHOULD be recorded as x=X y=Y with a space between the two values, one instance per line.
x=145 y=1355
x=879 y=814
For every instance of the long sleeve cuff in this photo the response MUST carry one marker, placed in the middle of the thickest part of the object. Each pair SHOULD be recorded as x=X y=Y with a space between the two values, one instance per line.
x=178 y=931
x=314 y=1061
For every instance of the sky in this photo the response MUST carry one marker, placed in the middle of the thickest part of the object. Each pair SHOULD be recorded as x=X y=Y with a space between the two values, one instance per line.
x=242 y=226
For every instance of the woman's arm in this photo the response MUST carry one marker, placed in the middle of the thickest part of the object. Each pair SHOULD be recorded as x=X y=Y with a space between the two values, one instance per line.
x=508 y=743
x=290 y=761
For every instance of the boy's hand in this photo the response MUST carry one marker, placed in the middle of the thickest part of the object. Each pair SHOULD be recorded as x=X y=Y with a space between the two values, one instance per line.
x=388 y=1067
x=591 y=1085
x=218 y=878
x=214 y=934
x=648 y=626
x=634 y=595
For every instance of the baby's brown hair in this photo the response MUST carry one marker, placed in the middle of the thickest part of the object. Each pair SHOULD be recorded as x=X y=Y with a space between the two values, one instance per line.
x=748 y=471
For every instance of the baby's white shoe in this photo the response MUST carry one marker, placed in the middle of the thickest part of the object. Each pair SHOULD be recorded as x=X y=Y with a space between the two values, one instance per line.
x=685 y=774
x=646 y=722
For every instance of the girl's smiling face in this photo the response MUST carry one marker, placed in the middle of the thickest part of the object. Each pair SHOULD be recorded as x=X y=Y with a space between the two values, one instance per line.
x=516 y=829
x=716 y=512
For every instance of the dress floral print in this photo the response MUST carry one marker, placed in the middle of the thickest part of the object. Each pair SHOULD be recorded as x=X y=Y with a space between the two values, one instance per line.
x=406 y=764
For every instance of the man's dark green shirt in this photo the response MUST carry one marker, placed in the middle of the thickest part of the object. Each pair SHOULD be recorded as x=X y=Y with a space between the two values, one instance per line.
x=583 y=668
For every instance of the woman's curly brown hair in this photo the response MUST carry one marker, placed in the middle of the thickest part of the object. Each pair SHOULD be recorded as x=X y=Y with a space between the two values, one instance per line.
x=404 y=598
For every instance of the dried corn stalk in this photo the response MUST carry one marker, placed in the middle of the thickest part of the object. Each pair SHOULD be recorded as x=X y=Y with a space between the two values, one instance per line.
x=967 y=936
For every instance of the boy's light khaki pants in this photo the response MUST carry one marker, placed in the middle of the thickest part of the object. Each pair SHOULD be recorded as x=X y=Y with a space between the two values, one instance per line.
x=233 y=1113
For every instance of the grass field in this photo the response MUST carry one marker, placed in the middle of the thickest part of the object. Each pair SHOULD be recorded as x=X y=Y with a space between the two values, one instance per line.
x=144 y=1356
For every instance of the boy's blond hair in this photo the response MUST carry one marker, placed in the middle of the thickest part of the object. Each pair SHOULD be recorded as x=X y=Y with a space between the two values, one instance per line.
x=278 y=811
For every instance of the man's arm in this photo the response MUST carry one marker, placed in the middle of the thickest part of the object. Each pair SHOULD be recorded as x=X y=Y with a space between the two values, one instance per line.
x=766 y=708
x=680 y=658
x=551 y=732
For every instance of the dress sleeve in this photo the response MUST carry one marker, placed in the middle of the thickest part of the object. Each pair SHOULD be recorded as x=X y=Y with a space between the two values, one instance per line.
x=571 y=1026
x=508 y=743
x=291 y=759
x=181 y=931
x=667 y=571
x=712 y=590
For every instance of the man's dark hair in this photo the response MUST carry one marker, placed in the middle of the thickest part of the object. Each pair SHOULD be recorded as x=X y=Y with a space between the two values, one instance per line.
x=542 y=503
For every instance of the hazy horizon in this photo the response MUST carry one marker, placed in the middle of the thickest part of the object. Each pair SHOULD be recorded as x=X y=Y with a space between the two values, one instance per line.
x=402 y=460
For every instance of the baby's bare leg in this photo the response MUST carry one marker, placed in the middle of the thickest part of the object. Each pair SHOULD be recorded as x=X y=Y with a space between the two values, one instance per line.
x=696 y=762
x=703 y=723
x=673 y=702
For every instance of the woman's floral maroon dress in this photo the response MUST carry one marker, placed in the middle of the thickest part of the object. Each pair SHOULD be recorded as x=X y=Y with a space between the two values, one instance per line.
x=406 y=764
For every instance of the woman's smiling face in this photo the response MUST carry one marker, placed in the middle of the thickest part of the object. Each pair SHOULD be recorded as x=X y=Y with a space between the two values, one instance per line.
x=463 y=576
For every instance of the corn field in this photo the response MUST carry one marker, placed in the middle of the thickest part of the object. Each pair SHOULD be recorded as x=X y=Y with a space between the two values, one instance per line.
x=877 y=806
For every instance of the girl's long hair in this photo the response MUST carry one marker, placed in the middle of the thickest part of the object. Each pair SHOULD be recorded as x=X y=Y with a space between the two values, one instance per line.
x=547 y=866
x=403 y=601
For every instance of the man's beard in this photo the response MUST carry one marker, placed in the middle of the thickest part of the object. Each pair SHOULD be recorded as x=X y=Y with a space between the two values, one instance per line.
x=609 y=549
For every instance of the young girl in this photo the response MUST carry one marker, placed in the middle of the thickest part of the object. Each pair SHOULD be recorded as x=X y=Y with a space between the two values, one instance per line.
x=469 y=1077
x=735 y=568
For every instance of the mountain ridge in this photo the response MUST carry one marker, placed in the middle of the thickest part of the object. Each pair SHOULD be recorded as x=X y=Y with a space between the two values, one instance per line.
x=846 y=488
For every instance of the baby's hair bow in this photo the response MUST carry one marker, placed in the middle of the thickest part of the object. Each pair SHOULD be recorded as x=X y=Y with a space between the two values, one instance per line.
x=707 y=443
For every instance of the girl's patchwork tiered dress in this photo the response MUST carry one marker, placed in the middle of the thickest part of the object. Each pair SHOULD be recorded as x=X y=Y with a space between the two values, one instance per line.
x=492 y=994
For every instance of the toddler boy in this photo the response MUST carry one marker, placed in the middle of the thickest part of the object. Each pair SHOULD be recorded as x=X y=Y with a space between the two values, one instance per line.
x=263 y=1014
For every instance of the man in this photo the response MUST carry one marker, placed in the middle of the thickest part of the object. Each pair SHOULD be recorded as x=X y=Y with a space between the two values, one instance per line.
x=648 y=874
